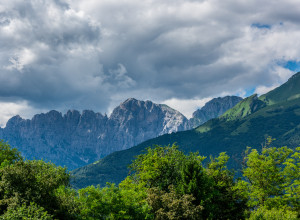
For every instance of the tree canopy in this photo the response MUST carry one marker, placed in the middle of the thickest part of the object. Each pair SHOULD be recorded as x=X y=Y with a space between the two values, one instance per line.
x=8 y=155
x=164 y=183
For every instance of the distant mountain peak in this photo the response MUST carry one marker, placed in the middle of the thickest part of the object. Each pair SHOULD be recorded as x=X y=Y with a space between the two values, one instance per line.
x=14 y=120
x=132 y=104
x=75 y=139
x=130 y=100
x=213 y=109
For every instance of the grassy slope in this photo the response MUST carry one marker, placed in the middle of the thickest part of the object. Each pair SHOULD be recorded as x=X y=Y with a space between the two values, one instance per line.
x=244 y=108
x=286 y=92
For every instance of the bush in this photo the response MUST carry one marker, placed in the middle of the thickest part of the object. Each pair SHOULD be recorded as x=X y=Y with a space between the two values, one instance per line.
x=264 y=213
x=31 y=211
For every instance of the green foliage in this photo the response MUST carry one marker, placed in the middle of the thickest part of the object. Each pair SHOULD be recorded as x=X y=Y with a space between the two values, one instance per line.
x=282 y=213
x=164 y=184
x=31 y=211
x=173 y=206
x=194 y=179
x=159 y=167
x=68 y=206
x=8 y=155
x=211 y=188
x=113 y=202
x=32 y=181
x=272 y=182
x=273 y=177
x=224 y=200
x=167 y=184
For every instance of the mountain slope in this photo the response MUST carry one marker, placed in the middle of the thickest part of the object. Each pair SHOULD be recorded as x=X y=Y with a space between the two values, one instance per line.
x=281 y=121
x=244 y=108
x=287 y=91
x=76 y=139
x=213 y=109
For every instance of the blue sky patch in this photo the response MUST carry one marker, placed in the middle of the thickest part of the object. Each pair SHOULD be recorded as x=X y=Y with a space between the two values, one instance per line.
x=292 y=65
x=261 y=26
x=250 y=92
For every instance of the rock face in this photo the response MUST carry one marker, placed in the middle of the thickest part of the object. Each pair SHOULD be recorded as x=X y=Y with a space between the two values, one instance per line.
x=76 y=139
x=213 y=109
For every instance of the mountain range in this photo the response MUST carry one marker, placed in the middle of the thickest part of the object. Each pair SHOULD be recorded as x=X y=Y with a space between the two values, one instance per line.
x=275 y=114
x=76 y=139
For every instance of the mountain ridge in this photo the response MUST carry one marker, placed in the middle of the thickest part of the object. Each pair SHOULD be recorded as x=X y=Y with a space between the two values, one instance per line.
x=76 y=138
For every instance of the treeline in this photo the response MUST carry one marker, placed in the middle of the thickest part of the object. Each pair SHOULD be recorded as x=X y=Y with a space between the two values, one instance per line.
x=164 y=183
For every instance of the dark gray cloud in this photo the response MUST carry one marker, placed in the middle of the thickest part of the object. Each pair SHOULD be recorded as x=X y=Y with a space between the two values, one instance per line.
x=60 y=54
x=50 y=55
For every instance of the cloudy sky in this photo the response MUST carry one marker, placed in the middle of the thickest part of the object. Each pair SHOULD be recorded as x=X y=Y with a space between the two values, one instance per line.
x=74 y=54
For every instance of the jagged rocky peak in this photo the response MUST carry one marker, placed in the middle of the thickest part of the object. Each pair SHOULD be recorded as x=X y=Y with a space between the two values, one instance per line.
x=49 y=117
x=72 y=114
x=88 y=116
x=14 y=123
x=218 y=106
x=131 y=109
x=146 y=114
x=14 y=120
x=135 y=121
x=213 y=109
x=173 y=120
x=133 y=105
x=75 y=139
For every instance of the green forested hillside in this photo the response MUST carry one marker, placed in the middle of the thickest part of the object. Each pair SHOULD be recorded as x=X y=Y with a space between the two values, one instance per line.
x=164 y=183
x=229 y=133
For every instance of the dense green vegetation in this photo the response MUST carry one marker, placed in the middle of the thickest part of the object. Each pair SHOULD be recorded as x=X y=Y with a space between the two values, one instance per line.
x=164 y=183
